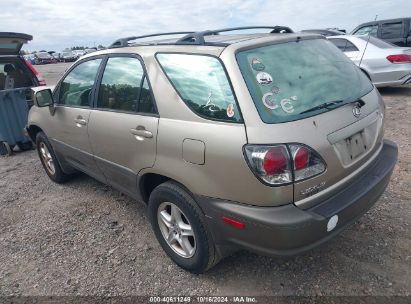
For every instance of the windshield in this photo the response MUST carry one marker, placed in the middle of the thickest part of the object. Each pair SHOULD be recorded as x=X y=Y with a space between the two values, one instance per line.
x=285 y=80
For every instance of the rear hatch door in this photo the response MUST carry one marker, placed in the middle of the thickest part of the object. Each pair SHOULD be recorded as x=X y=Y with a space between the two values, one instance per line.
x=11 y=43
x=308 y=92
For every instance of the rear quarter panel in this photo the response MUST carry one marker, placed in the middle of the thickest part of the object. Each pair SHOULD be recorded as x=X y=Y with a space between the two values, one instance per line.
x=225 y=173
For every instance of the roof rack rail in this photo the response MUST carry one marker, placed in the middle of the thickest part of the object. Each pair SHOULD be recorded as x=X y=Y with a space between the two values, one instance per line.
x=197 y=38
x=122 y=42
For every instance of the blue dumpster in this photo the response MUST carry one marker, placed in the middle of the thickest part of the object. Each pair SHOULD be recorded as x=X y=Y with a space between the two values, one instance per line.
x=13 y=119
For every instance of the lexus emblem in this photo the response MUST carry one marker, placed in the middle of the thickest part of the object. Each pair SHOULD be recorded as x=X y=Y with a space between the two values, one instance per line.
x=356 y=111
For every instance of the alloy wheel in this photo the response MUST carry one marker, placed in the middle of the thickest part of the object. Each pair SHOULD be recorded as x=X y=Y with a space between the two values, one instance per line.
x=47 y=158
x=176 y=229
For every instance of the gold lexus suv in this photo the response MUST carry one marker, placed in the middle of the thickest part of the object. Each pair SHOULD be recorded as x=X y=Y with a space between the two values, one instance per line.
x=271 y=142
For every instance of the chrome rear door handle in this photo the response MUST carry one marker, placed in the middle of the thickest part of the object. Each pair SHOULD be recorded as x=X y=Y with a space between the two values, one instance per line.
x=140 y=133
x=80 y=121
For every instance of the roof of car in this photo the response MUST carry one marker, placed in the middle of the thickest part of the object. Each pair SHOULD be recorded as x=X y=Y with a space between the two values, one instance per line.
x=200 y=37
x=212 y=44
x=330 y=32
x=379 y=22
x=214 y=40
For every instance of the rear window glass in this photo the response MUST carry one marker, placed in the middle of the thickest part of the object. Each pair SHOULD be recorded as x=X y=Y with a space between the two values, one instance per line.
x=285 y=80
x=11 y=46
x=202 y=84
x=13 y=76
x=378 y=42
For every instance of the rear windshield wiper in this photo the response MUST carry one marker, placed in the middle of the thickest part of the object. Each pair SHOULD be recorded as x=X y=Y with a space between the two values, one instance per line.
x=325 y=105
x=332 y=104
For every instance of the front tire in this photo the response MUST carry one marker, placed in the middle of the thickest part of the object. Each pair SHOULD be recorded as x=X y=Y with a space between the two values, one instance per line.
x=49 y=160
x=180 y=228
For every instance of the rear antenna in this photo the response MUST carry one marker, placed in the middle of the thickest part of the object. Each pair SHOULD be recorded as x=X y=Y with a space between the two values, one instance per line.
x=368 y=40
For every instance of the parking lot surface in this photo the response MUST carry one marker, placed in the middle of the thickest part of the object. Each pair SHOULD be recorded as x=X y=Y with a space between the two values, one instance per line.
x=84 y=238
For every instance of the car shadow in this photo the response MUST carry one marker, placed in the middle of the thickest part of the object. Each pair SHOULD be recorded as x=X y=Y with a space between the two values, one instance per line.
x=404 y=90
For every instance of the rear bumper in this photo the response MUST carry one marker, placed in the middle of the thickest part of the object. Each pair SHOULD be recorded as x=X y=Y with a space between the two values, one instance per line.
x=395 y=82
x=288 y=230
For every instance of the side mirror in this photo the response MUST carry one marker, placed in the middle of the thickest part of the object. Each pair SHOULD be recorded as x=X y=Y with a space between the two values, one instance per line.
x=43 y=98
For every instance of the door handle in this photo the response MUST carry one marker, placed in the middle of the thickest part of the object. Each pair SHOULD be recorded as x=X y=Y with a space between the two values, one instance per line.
x=140 y=133
x=80 y=121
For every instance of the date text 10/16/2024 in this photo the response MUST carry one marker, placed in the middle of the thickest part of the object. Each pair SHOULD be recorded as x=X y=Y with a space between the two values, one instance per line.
x=203 y=299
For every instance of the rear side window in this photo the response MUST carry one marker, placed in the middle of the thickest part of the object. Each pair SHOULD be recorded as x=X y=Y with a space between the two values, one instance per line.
x=75 y=89
x=146 y=104
x=344 y=45
x=202 y=84
x=391 y=30
x=124 y=86
x=288 y=81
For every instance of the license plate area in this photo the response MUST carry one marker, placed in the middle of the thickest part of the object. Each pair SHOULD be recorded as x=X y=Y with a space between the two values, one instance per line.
x=355 y=141
x=356 y=145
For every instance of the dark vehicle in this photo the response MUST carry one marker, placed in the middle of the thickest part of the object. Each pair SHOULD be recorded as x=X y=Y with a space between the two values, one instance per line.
x=68 y=56
x=44 y=58
x=325 y=32
x=395 y=31
x=17 y=77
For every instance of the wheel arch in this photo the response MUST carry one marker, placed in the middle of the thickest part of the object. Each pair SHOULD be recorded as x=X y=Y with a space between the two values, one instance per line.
x=150 y=180
x=33 y=130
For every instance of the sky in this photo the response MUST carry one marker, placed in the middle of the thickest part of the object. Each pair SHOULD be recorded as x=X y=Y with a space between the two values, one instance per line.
x=57 y=24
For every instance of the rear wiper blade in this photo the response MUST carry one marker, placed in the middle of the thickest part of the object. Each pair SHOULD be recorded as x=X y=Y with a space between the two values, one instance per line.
x=325 y=105
x=331 y=104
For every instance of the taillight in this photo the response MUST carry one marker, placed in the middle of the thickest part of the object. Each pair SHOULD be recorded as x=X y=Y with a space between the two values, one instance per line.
x=301 y=158
x=40 y=79
x=401 y=58
x=270 y=163
x=283 y=164
x=275 y=161
x=307 y=163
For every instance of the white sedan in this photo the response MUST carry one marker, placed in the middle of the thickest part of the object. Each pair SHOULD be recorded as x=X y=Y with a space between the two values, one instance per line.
x=384 y=63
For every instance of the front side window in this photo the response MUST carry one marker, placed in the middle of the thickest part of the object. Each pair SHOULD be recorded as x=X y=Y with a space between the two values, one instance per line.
x=202 y=84
x=288 y=81
x=76 y=87
x=369 y=29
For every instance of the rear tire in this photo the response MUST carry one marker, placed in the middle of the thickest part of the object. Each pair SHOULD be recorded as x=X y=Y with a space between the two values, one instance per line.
x=189 y=244
x=49 y=160
x=5 y=149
